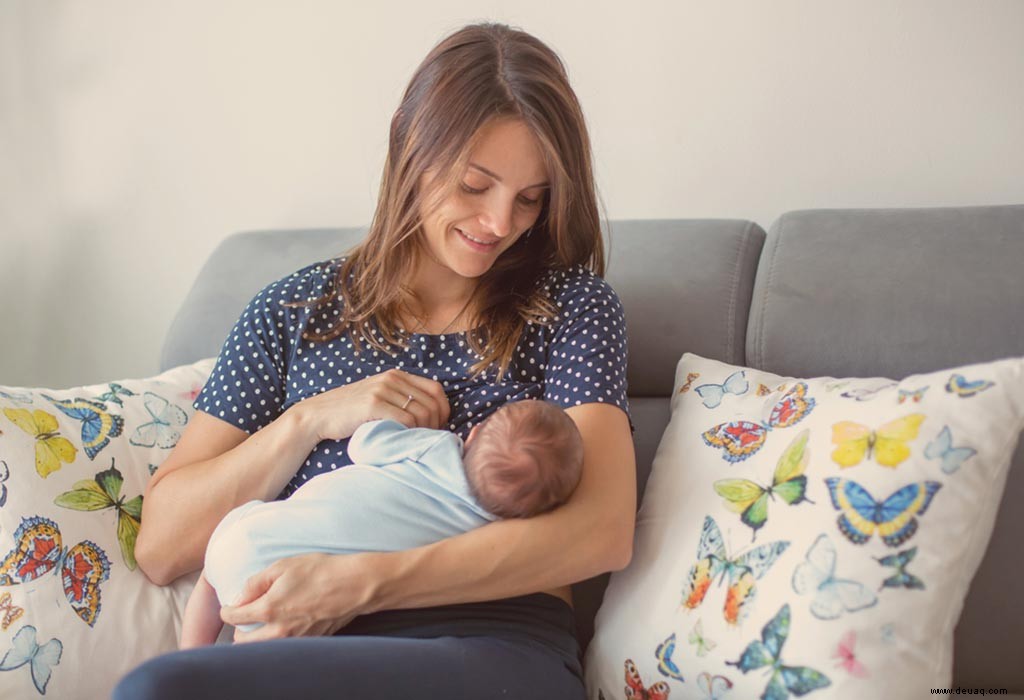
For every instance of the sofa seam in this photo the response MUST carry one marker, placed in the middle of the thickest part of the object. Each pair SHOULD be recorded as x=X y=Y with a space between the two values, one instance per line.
x=776 y=244
x=730 y=336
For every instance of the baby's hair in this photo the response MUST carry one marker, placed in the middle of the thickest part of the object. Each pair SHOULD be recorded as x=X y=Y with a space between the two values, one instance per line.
x=525 y=459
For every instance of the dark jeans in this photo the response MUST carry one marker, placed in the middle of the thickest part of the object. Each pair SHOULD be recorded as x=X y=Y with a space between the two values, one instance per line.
x=521 y=647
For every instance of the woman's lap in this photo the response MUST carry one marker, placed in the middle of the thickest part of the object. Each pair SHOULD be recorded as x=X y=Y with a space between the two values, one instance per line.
x=358 y=667
x=522 y=647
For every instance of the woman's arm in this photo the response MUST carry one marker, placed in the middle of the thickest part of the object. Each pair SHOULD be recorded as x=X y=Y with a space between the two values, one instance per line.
x=590 y=534
x=214 y=468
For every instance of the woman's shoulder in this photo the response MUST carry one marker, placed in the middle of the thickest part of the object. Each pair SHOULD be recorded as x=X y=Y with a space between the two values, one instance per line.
x=308 y=283
x=578 y=288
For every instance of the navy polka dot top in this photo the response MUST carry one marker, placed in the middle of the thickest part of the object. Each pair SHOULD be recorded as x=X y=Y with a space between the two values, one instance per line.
x=265 y=367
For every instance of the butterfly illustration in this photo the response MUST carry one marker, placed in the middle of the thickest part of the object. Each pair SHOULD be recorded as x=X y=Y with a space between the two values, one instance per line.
x=914 y=395
x=113 y=396
x=764 y=389
x=902 y=578
x=888 y=445
x=894 y=518
x=104 y=491
x=635 y=687
x=704 y=645
x=959 y=385
x=41 y=658
x=162 y=431
x=832 y=596
x=19 y=397
x=750 y=499
x=713 y=687
x=740 y=439
x=5 y=474
x=51 y=447
x=847 y=657
x=38 y=551
x=888 y=633
x=712 y=394
x=98 y=426
x=11 y=612
x=942 y=448
x=664 y=652
x=836 y=386
x=866 y=394
x=743 y=570
x=784 y=680
x=691 y=377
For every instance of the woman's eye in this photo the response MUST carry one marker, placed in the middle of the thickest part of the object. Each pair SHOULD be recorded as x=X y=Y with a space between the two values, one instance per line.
x=472 y=190
x=529 y=202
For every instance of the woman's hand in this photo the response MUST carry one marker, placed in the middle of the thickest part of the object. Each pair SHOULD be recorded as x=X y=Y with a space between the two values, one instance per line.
x=304 y=596
x=335 y=414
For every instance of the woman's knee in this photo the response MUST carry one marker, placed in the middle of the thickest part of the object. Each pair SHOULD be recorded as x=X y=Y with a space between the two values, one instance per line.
x=173 y=675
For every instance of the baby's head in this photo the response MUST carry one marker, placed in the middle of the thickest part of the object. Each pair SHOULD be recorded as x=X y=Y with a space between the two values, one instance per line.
x=525 y=459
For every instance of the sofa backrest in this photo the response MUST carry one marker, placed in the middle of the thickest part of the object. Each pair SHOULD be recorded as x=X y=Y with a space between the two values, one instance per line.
x=894 y=292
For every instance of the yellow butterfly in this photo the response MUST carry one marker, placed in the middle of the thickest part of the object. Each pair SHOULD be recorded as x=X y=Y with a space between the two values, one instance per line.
x=51 y=448
x=888 y=444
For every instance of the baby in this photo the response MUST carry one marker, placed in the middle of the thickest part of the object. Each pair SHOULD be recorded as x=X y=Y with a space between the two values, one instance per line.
x=407 y=487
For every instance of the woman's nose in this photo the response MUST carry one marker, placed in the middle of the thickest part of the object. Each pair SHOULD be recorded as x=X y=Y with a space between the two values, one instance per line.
x=497 y=216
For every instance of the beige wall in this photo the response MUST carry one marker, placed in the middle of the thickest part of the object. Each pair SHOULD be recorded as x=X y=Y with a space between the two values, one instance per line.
x=135 y=135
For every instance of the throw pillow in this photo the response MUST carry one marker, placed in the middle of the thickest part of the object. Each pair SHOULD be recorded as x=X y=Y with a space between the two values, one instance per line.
x=808 y=536
x=76 y=613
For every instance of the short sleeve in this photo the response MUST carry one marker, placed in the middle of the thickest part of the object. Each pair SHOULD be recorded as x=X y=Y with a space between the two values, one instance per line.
x=588 y=350
x=247 y=385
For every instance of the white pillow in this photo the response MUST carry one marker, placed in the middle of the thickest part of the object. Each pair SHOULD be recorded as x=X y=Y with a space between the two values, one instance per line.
x=73 y=466
x=833 y=525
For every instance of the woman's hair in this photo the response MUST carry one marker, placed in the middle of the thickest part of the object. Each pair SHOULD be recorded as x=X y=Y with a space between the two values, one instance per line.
x=525 y=459
x=480 y=73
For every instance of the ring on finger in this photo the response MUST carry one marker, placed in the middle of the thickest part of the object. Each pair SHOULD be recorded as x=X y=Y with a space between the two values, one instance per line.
x=409 y=399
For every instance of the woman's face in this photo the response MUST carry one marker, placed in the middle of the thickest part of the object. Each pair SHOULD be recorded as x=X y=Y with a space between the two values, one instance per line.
x=498 y=199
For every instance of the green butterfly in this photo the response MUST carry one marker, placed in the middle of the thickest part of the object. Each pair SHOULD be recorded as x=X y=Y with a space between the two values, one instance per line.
x=105 y=492
x=789 y=483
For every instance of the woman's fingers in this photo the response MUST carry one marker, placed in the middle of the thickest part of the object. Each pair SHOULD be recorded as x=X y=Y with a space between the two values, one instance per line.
x=429 y=405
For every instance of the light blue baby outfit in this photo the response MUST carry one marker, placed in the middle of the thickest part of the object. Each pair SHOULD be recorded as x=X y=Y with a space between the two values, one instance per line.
x=406 y=488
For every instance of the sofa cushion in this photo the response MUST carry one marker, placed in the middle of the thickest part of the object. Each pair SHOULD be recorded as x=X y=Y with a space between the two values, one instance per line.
x=830 y=524
x=73 y=466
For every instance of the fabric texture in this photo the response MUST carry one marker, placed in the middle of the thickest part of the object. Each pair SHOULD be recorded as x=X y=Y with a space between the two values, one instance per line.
x=517 y=649
x=265 y=367
x=407 y=488
x=808 y=536
x=75 y=611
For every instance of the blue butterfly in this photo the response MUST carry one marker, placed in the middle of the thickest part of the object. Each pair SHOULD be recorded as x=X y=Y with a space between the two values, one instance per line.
x=162 y=431
x=42 y=658
x=20 y=397
x=784 y=680
x=914 y=395
x=666 y=665
x=98 y=426
x=901 y=579
x=959 y=385
x=894 y=518
x=112 y=395
x=942 y=448
x=832 y=596
x=712 y=394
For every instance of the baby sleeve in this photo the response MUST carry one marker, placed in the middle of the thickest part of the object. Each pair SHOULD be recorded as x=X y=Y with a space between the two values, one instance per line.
x=383 y=442
x=587 y=351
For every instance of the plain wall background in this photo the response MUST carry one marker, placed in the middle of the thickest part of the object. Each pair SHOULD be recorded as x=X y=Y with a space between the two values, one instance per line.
x=136 y=135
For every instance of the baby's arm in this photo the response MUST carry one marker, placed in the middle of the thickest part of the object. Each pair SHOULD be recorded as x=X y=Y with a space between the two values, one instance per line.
x=201 y=624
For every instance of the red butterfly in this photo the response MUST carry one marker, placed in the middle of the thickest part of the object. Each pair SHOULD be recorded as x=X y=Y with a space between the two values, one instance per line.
x=635 y=687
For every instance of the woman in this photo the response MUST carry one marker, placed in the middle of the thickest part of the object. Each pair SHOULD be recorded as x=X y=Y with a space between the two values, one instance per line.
x=478 y=282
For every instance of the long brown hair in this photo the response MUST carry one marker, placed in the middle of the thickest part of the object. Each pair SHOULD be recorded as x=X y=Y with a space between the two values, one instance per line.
x=479 y=73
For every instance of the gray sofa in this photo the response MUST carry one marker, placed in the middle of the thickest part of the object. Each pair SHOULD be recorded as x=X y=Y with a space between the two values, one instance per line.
x=840 y=292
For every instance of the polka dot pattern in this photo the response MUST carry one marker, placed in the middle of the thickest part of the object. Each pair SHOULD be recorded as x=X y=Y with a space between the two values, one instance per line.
x=265 y=367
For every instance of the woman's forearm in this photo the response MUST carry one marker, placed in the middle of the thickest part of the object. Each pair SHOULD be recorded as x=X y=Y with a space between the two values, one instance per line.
x=183 y=505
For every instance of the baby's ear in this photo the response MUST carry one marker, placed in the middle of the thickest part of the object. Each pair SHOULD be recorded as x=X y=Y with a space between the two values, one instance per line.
x=472 y=432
